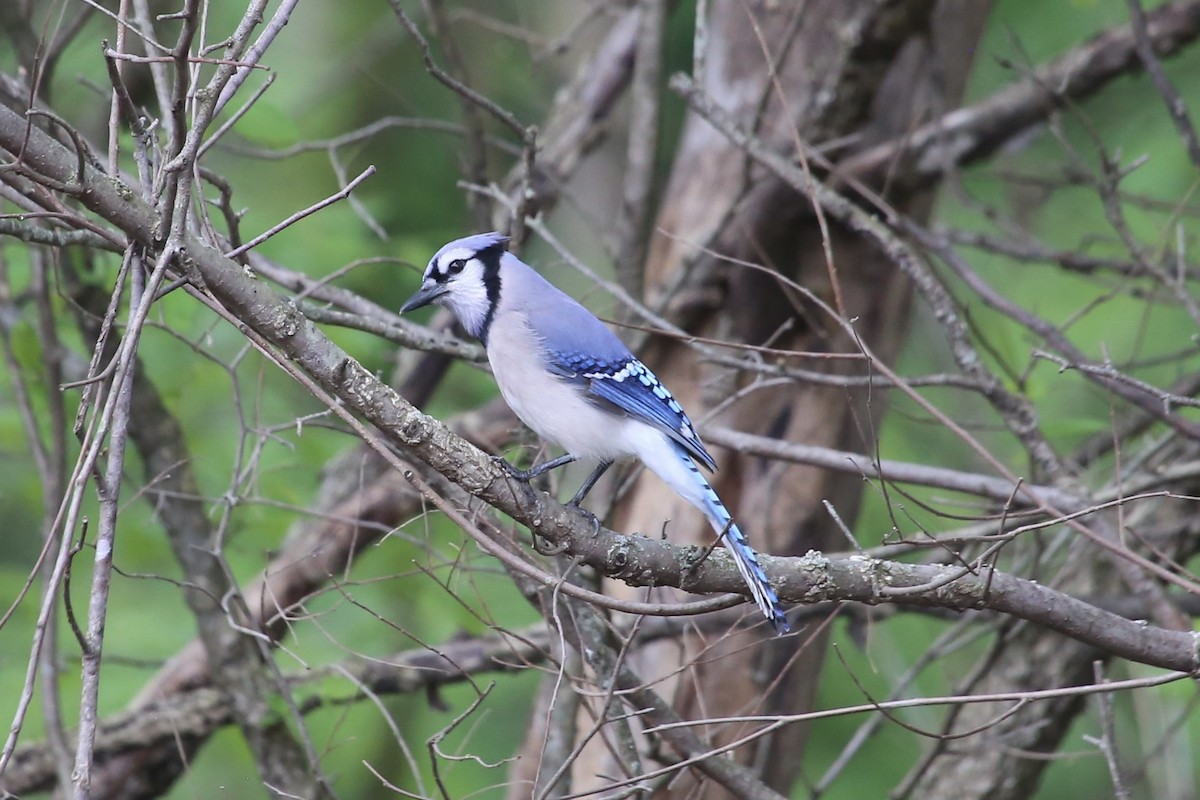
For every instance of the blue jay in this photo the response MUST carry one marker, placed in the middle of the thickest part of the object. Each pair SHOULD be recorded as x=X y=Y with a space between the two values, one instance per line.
x=570 y=379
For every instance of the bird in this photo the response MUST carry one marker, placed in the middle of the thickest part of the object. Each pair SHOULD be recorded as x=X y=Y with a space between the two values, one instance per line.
x=568 y=377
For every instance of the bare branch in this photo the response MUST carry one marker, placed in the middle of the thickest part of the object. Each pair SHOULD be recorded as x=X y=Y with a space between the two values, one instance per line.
x=973 y=132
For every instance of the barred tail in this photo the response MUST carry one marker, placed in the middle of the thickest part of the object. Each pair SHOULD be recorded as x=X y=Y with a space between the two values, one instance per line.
x=745 y=557
x=668 y=460
x=673 y=464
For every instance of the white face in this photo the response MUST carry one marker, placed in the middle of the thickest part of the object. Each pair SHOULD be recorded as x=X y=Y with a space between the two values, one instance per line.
x=458 y=277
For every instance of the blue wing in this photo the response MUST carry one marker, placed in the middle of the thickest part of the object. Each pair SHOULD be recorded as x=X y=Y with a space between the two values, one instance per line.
x=580 y=348
x=633 y=389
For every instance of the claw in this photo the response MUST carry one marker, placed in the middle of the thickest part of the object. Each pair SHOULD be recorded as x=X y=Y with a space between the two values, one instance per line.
x=546 y=549
x=517 y=474
x=583 y=512
x=525 y=476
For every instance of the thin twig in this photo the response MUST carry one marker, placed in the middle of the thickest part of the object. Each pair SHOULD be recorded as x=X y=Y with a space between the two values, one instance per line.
x=1162 y=84
x=299 y=215
x=249 y=61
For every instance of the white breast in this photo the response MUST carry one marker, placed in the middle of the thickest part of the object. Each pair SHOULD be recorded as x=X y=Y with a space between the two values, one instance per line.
x=551 y=406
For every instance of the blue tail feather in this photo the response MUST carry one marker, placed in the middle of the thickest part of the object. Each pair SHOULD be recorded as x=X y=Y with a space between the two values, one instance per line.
x=743 y=554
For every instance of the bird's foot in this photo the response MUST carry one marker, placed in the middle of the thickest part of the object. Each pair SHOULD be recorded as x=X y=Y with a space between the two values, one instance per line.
x=524 y=476
x=589 y=516
x=547 y=548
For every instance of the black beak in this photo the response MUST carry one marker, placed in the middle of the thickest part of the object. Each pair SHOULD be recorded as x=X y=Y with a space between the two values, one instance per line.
x=424 y=296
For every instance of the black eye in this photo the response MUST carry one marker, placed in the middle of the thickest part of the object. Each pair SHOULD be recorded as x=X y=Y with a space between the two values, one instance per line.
x=456 y=266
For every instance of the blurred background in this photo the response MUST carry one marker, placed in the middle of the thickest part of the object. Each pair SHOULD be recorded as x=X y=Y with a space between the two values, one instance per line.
x=348 y=89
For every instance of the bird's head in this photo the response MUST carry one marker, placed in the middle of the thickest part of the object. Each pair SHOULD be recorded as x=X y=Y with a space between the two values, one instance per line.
x=464 y=276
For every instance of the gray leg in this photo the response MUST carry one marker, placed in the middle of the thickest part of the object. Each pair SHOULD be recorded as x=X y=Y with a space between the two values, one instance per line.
x=600 y=469
x=525 y=476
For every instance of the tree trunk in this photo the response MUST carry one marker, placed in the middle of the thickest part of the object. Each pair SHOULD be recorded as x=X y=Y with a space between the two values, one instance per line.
x=867 y=68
